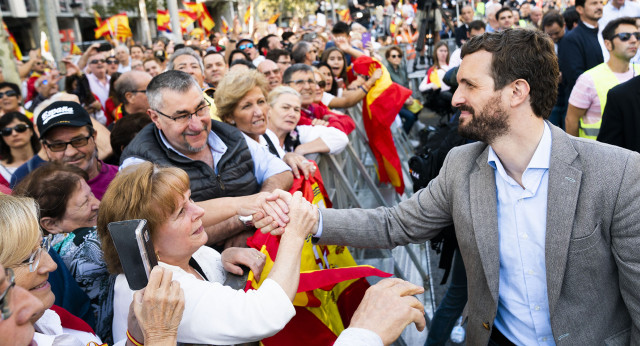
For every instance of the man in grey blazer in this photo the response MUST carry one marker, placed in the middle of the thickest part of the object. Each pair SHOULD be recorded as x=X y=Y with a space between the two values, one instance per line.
x=548 y=224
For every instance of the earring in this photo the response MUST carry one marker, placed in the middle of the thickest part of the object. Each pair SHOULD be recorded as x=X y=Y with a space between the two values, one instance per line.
x=232 y=122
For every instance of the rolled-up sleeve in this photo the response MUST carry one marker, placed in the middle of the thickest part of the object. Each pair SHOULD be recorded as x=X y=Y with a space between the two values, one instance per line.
x=335 y=139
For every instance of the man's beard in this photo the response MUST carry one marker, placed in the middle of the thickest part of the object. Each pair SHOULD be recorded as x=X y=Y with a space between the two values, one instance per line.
x=487 y=125
x=196 y=149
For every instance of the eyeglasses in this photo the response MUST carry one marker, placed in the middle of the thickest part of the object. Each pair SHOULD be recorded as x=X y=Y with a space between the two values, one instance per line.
x=301 y=82
x=626 y=36
x=183 y=119
x=322 y=84
x=34 y=259
x=62 y=146
x=111 y=62
x=5 y=298
x=245 y=46
x=138 y=91
x=393 y=56
x=8 y=93
x=97 y=61
x=20 y=128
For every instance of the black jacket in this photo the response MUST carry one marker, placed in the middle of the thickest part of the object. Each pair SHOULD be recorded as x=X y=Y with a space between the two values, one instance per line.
x=621 y=118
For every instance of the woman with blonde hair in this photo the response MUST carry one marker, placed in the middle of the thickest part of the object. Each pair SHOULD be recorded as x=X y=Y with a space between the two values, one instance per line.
x=214 y=314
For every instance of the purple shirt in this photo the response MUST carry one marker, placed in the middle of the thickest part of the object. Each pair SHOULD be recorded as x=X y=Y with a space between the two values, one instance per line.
x=100 y=183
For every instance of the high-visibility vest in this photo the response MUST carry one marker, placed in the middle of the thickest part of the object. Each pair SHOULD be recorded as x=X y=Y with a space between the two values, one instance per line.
x=603 y=80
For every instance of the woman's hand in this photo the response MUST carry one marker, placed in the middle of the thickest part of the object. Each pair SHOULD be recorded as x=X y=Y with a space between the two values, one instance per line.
x=319 y=122
x=303 y=217
x=233 y=257
x=156 y=310
x=299 y=163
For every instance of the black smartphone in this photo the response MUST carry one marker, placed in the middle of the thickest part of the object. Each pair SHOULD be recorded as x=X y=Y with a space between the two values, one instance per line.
x=135 y=250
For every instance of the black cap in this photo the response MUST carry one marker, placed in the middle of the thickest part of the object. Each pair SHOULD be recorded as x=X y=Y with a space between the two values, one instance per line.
x=62 y=113
x=243 y=40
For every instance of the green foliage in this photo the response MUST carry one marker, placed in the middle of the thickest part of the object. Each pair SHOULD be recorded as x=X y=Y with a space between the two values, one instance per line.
x=290 y=8
x=118 y=6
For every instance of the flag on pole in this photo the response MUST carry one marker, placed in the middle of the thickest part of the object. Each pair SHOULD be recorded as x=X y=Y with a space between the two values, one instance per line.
x=117 y=25
x=225 y=25
x=274 y=18
x=163 y=21
x=186 y=19
x=381 y=105
x=202 y=15
x=345 y=16
x=247 y=15
x=16 y=49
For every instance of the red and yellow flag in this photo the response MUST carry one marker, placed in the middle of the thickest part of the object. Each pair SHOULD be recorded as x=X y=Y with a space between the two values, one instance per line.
x=382 y=104
x=274 y=18
x=225 y=26
x=345 y=15
x=16 y=49
x=186 y=19
x=331 y=283
x=74 y=49
x=163 y=21
x=247 y=15
x=117 y=26
x=202 y=14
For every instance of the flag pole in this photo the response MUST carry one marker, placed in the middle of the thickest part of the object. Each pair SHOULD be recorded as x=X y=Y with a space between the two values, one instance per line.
x=176 y=29
x=146 y=31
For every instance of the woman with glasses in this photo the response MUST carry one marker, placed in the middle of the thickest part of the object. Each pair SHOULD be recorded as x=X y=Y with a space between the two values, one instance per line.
x=69 y=212
x=18 y=144
x=398 y=72
x=11 y=100
x=17 y=308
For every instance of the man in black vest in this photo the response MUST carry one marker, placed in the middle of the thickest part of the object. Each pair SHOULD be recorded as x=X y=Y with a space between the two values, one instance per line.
x=226 y=171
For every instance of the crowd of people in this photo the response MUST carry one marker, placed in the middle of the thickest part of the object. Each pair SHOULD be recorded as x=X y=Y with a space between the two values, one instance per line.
x=201 y=136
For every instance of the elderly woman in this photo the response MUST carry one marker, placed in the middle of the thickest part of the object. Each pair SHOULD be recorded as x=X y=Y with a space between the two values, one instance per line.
x=18 y=144
x=24 y=253
x=69 y=212
x=214 y=314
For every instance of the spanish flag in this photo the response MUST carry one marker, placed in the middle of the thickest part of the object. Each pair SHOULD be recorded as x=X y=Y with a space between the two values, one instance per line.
x=202 y=14
x=331 y=283
x=225 y=26
x=16 y=49
x=274 y=18
x=382 y=104
x=117 y=26
x=186 y=19
x=393 y=26
x=74 y=49
x=163 y=21
x=247 y=15
x=345 y=16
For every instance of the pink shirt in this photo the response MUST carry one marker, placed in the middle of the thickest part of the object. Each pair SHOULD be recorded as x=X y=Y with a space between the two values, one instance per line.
x=584 y=95
x=100 y=183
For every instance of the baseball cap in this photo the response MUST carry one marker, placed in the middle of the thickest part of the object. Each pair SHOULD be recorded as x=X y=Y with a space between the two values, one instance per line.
x=62 y=113
x=240 y=41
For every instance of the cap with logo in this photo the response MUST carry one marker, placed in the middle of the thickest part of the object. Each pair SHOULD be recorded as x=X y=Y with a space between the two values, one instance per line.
x=62 y=113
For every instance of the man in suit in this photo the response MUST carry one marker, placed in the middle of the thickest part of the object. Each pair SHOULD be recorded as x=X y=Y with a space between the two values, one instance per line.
x=621 y=118
x=547 y=224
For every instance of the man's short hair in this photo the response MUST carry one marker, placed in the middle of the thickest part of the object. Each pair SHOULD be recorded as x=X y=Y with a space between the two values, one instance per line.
x=172 y=80
x=139 y=46
x=299 y=51
x=552 y=17
x=13 y=87
x=287 y=35
x=611 y=27
x=125 y=129
x=341 y=28
x=275 y=54
x=580 y=3
x=122 y=47
x=244 y=62
x=264 y=43
x=286 y=77
x=571 y=17
x=519 y=54
x=504 y=9
x=477 y=25
x=125 y=83
x=185 y=51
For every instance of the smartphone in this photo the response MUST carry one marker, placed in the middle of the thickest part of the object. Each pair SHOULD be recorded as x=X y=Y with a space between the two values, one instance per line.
x=135 y=250
x=366 y=38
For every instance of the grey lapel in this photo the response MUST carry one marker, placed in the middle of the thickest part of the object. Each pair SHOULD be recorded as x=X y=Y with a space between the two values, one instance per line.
x=564 y=186
x=484 y=213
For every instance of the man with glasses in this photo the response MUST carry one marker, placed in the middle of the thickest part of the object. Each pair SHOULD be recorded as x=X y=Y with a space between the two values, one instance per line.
x=37 y=70
x=220 y=161
x=589 y=95
x=246 y=45
x=18 y=308
x=131 y=89
x=98 y=77
x=271 y=70
x=301 y=78
x=304 y=53
x=67 y=136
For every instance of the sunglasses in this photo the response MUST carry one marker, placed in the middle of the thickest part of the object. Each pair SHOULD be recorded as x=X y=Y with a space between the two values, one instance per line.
x=245 y=46
x=8 y=93
x=62 y=146
x=626 y=36
x=97 y=61
x=395 y=56
x=112 y=62
x=20 y=128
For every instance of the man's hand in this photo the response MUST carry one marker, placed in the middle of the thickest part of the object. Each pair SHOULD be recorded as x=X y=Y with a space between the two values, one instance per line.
x=299 y=163
x=157 y=309
x=319 y=122
x=342 y=43
x=233 y=257
x=265 y=221
x=388 y=307
x=303 y=216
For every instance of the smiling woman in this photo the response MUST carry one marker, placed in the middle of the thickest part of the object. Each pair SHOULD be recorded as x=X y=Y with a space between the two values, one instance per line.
x=69 y=211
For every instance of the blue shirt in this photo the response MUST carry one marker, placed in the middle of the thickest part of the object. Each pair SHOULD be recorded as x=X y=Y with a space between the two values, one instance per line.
x=523 y=305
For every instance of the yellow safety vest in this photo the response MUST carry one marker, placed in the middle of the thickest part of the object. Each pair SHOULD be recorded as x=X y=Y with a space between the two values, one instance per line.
x=603 y=80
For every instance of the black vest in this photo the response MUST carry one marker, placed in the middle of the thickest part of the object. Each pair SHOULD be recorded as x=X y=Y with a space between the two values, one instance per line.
x=235 y=169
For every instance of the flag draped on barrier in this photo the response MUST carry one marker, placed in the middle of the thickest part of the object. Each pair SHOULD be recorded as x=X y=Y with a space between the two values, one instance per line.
x=381 y=106
x=331 y=283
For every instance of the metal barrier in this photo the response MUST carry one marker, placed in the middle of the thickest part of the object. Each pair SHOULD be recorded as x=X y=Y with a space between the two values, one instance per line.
x=351 y=181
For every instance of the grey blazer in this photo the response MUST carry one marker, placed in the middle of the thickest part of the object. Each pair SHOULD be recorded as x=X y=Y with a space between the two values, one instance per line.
x=592 y=250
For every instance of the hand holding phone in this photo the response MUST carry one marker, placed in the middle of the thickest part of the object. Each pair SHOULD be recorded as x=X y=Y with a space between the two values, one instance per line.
x=135 y=250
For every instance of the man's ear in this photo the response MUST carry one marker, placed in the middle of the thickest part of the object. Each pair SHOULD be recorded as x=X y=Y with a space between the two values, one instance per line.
x=608 y=44
x=154 y=117
x=51 y=225
x=520 y=92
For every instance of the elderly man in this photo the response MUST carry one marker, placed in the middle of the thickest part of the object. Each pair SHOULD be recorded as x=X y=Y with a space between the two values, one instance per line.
x=98 y=77
x=220 y=161
x=131 y=88
x=271 y=70
x=68 y=136
x=301 y=78
x=46 y=85
x=542 y=219
x=304 y=52
x=536 y=17
x=124 y=59
x=214 y=68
